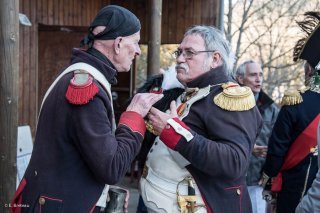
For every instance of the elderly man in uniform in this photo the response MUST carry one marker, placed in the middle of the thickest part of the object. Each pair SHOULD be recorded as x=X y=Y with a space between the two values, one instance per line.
x=291 y=163
x=78 y=148
x=250 y=74
x=199 y=160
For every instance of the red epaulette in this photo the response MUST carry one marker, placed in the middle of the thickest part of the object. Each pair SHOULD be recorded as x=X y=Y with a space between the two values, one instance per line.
x=82 y=88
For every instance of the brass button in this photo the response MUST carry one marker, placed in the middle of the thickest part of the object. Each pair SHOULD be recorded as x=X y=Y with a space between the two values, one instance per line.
x=145 y=171
x=238 y=191
x=42 y=201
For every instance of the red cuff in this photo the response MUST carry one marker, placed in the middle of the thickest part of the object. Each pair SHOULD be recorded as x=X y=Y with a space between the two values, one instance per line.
x=133 y=121
x=170 y=137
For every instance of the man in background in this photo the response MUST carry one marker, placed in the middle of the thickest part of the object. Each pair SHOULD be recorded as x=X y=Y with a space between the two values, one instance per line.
x=250 y=74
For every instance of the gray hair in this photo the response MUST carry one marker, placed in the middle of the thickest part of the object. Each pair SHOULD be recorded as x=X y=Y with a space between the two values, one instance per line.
x=214 y=39
x=241 y=70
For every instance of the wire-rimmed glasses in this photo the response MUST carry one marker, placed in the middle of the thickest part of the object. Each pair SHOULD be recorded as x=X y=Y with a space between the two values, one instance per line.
x=188 y=54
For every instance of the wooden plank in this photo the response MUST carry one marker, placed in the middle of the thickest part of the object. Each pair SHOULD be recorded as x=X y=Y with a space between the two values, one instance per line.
x=55 y=10
x=209 y=13
x=66 y=8
x=165 y=31
x=181 y=17
x=83 y=13
x=155 y=37
x=21 y=48
x=33 y=53
x=9 y=42
x=78 y=12
x=196 y=12
x=26 y=66
x=44 y=12
x=172 y=24
x=69 y=18
x=140 y=10
x=61 y=12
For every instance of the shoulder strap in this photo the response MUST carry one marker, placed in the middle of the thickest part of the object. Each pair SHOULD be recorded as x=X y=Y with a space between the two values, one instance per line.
x=96 y=75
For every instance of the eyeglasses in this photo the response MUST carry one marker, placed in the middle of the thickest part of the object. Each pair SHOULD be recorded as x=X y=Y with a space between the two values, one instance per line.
x=188 y=54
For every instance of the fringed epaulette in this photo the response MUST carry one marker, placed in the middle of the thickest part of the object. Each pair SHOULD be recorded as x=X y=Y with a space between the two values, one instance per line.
x=82 y=88
x=235 y=98
x=291 y=97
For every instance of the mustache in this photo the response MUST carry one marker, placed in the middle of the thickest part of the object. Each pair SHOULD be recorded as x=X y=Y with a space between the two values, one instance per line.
x=182 y=66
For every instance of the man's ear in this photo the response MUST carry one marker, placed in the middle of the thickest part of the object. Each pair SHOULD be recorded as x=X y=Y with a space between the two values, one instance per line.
x=240 y=79
x=216 y=60
x=117 y=44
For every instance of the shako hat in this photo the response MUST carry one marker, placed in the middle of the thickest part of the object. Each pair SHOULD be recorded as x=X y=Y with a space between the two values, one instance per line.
x=308 y=48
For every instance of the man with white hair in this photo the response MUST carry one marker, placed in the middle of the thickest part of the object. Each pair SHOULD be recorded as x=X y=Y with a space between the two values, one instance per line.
x=78 y=149
x=250 y=74
x=199 y=160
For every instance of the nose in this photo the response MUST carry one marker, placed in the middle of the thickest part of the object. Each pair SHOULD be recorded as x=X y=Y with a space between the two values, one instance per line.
x=180 y=59
x=259 y=78
x=138 y=50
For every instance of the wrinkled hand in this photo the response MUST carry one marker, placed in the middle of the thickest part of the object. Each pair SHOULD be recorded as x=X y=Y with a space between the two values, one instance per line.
x=159 y=119
x=260 y=151
x=142 y=102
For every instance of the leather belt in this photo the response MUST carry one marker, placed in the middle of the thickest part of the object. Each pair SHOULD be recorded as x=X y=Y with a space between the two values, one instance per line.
x=165 y=184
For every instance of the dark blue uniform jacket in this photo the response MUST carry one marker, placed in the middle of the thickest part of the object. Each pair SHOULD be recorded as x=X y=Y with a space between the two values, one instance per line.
x=291 y=121
x=221 y=148
x=75 y=151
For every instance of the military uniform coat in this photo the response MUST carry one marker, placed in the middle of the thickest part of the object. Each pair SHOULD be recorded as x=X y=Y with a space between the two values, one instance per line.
x=75 y=151
x=220 y=149
x=291 y=121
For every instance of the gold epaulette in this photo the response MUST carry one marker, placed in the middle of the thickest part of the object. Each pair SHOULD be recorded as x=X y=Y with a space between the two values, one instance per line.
x=235 y=98
x=291 y=97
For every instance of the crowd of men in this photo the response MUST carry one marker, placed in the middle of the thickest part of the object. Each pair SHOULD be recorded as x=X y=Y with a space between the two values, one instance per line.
x=215 y=142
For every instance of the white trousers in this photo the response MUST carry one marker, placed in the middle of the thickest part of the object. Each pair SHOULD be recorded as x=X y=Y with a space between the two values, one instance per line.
x=258 y=203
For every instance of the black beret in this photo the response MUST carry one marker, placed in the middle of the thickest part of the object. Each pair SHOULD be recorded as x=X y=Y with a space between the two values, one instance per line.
x=118 y=22
x=308 y=47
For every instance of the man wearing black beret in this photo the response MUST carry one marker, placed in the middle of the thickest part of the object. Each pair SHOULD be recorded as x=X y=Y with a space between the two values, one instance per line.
x=78 y=149
x=291 y=163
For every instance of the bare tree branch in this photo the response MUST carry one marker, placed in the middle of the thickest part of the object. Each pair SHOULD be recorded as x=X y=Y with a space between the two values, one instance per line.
x=265 y=31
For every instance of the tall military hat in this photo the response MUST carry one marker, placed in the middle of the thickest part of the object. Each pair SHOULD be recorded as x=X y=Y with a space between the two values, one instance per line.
x=308 y=48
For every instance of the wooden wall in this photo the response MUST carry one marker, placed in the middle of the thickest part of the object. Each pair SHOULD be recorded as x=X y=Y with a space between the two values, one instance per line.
x=177 y=16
